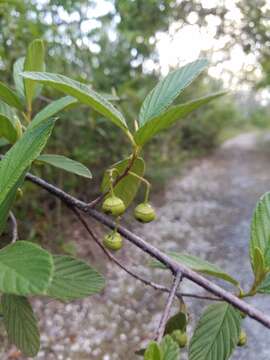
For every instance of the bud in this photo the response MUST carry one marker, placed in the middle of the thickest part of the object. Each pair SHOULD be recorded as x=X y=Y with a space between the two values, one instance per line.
x=242 y=338
x=19 y=193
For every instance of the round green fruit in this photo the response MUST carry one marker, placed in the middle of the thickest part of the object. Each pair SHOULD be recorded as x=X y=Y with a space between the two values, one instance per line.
x=180 y=337
x=113 y=205
x=144 y=213
x=113 y=241
x=242 y=338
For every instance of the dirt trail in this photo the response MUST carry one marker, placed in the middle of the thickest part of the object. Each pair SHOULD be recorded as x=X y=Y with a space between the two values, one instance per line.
x=206 y=213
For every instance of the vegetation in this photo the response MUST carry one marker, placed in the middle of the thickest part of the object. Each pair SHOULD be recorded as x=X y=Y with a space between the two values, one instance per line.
x=109 y=122
x=66 y=278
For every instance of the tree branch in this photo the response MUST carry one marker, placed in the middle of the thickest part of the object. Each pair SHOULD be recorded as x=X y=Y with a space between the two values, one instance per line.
x=171 y=264
x=130 y=272
x=161 y=328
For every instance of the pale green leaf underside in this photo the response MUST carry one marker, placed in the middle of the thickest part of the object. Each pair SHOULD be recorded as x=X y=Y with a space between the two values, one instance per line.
x=18 y=79
x=34 y=61
x=260 y=229
x=199 y=265
x=216 y=334
x=81 y=92
x=64 y=163
x=163 y=121
x=153 y=352
x=169 y=348
x=74 y=279
x=165 y=92
x=127 y=188
x=53 y=108
x=25 y=269
x=21 y=324
x=10 y=97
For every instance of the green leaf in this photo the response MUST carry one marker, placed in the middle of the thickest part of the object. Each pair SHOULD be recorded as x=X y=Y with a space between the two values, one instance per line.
x=153 y=352
x=81 y=92
x=264 y=287
x=258 y=265
x=6 y=205
x=74 y=279
x=25 y=269
x=18 y=159
x=18 y=79
x=21 y=324
x=3 y=142
x=53 y=108
x=169 y=348
x=199 y=265
x=260 y=230
x=127 y=188
x=8 y=129
x=176 y=322
x=66 y=164
x=21 y=155
x=161 y=122
x=10 y=125
x=217 y=333
x=7 y=110
x=34 y=61
x=10 y=97
x=161 y=97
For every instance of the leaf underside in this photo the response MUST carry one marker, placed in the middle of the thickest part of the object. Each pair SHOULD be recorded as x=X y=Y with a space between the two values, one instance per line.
x=21 y=324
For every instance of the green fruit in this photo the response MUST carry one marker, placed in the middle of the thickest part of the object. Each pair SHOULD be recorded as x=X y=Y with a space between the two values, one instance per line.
x=113 y=205
x=242 y=338
x=180 y=337
x=113 y=241
x=144 y=213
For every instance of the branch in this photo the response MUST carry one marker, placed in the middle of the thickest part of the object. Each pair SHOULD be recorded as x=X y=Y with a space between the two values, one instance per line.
x=171 y=264
x=161 y=328
x=130 y=272
x=93 y=203
x=14 y=227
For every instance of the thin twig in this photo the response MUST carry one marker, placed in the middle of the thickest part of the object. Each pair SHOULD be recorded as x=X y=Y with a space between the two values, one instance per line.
x=14 y=227
x=166 y=313
x=146 y=247
x=130 y=272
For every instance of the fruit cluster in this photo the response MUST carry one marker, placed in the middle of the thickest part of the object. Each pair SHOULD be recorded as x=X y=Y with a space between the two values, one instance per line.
x=115 y=206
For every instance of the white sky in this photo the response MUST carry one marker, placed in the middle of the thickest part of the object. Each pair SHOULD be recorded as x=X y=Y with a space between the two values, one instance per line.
x=183 y=44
